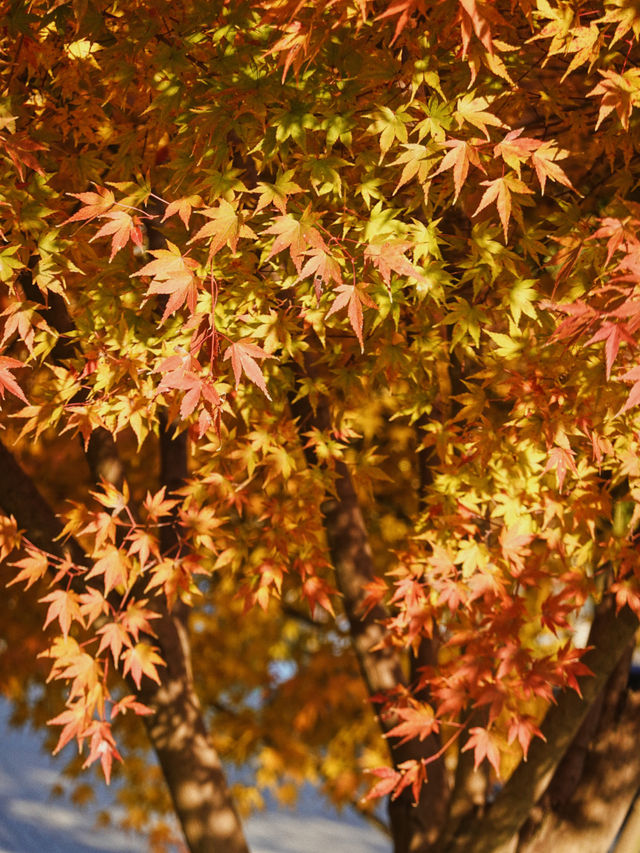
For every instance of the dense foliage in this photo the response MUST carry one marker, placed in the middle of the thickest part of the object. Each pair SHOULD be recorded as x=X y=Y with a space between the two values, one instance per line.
x=320 y=327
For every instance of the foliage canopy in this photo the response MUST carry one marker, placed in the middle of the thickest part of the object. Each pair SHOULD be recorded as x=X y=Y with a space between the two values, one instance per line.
x=319 y=335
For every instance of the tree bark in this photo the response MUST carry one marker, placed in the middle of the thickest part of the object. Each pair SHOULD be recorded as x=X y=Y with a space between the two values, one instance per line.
x=592 y=817
x=496 y=831
x=177 y=732
x=570 y=792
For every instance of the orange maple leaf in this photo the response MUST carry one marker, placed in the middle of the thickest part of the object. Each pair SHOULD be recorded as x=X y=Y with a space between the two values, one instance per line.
x=7 y=382
x=225 y=227
x=296 y=235
x=141 y=660
x=461 y=154
x=64 y=607
x=353 y=297
x=472 y=20
x=243 y=356
x=93 y=204
x=172 y=275
x=74 y=720
x=183 y=207
x=114 y=566
x=499 y=190
x=123 y=227
x=34 y=567
x=483 y=744
x=114 y=637
x=389 y=256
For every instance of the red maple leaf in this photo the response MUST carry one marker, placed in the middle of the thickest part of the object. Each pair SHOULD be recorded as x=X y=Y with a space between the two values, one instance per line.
x=418 y=721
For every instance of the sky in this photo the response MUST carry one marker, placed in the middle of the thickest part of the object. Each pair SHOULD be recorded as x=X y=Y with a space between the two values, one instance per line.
x=32 y=821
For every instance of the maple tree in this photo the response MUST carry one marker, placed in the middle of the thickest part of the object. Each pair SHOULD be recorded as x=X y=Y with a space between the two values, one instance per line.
x=319 y=406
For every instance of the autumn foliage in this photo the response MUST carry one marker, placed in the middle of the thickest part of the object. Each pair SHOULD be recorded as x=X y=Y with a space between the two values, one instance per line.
x=319 y=369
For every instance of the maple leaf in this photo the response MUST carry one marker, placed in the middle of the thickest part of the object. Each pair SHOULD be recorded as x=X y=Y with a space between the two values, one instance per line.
x=130 y=703
x=278 y=193
x=93 y=204
x=626 y=595
x=322 y=266
x=7 y=382
x=64 y=607
x=317 y=591
x=513 y=542
x=74 y=720
x=101 y=746
x=352 y=297
x=141 y=660
x=461 y=154
x=523 y=728
x=172 y=275
x=20 y=148
x=180 y=373
x=403 y=9
x=499 y=190
x=544 y=160
x=33 y=567
x=297 y=235
x=613 y=334
x=158 y=504
x=114 y=566
x=225 y=228
x=389 y=256
x=123 y=227
x=137 y=618
x=483 y=744
x=243 y=356
x=633 y=399
x=618 y=92
x=619 y=232
x=114 y=637
x=417 y=722
x=388 y=780
x=93 y=604
x=516 y=149
x=473 y=21
x=561 y=458
x=473 y=110
x=183 y=207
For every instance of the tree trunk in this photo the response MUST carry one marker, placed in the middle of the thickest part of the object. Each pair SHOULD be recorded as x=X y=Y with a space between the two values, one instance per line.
x=177 y=731
x=414 y=828
x=590 y=820
x=496 y=831
x=189 y=762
